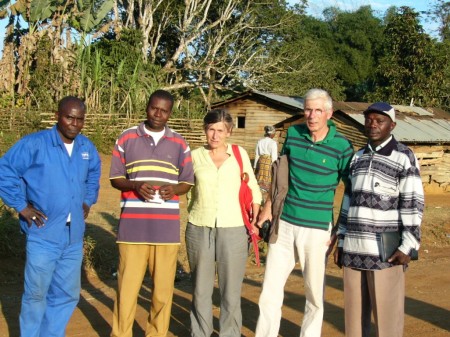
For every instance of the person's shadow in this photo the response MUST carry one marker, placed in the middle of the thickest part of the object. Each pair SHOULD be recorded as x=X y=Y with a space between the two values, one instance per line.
x=11 y=297
x=12 y=258
x=99 y=252
x=98 y=273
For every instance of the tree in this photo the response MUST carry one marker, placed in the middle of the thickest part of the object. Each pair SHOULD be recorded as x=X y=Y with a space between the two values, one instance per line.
x=351 y=40
x=7 y=66
x=114 y=73
x=42 y=35
x=208 y=45
x=409 y=70
x=308 y=64
x=356 y=48
x=440 y=12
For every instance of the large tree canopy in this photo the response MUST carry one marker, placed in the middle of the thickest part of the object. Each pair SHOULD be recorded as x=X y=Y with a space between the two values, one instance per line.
x=410 y=70
x=114 y=53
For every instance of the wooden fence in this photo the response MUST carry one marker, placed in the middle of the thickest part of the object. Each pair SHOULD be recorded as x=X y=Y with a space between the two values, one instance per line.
x=434 y=164
x=103 y=129
x=106 y=127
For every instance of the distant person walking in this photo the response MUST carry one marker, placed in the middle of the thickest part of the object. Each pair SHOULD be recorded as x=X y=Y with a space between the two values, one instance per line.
x=265 y=154
x=51 y=178
x=152 y=166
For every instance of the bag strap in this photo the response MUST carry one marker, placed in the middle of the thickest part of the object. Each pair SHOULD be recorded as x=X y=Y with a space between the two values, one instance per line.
x=253 y=237
x=237 y=154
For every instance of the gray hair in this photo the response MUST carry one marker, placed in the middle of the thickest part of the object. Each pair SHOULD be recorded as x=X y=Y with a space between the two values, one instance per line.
x=218 y=115
x=320 y=94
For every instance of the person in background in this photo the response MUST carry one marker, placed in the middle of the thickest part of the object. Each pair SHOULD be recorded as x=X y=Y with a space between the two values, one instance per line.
x=266 y=153
x=216 y=238
x=51 y=178
x=151 y=165
x=386 y=196
x=318 y=158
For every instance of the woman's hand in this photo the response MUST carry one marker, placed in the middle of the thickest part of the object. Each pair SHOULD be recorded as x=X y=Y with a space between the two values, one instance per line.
x=265 y=214
x=255 y=213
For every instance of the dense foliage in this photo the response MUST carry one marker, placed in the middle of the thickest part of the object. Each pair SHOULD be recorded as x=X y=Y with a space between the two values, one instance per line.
x=114 y=53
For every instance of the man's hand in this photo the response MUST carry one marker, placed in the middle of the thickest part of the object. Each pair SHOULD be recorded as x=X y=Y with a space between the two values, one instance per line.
x=338 y=256
x=31 y=214
x=167 y=192
x=145 y=190
x=86 y=210
x=331 y=243
x=399 y=258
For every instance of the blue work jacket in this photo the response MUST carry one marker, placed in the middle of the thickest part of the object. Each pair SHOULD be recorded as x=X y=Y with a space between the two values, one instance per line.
x=38 y=170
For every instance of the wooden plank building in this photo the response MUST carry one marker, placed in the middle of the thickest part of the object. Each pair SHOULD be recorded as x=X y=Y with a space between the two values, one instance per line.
x=426 y=131
x=252 y=110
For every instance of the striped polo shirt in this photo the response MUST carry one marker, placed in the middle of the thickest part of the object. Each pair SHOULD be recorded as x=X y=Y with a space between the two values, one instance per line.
x=136 y=157
x=315 y=169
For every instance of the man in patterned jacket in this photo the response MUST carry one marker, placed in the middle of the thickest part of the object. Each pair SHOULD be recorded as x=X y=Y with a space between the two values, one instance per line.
x=386 y=196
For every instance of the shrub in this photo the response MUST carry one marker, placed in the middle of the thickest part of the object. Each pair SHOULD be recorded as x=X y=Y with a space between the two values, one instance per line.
x=12 y=241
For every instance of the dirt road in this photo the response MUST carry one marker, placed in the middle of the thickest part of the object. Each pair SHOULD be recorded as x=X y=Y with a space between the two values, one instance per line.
x=427 y=293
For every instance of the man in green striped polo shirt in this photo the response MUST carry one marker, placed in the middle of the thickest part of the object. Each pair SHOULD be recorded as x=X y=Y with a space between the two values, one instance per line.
x=319 y=158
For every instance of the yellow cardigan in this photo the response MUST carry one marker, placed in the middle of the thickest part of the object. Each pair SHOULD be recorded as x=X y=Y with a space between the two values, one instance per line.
x=214 y=199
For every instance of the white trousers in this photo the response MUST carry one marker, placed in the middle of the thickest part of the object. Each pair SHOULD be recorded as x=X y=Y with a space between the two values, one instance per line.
x=309 y=246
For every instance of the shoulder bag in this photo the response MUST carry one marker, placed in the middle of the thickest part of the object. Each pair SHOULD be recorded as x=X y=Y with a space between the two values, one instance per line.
x=246 y=201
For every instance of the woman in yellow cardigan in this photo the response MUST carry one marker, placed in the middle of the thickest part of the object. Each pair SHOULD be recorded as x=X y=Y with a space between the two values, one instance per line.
x=216 y=237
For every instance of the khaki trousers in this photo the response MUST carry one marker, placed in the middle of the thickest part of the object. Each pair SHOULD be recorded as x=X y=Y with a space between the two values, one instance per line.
x=380 y=291
x=134 y=259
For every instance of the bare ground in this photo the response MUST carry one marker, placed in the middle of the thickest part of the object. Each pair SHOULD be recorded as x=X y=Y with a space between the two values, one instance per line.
x=427 y=290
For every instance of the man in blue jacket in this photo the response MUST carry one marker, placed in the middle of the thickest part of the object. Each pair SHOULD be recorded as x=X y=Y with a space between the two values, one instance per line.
x=51 y=178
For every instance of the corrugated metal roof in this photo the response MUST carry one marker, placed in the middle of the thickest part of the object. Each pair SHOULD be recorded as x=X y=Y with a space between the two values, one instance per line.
x=414 y=124
x=412 y=109
x=292 y=102
x=417 y=130
x=296 y=102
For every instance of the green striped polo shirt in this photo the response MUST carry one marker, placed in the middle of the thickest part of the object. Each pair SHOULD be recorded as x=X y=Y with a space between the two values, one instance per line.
x=315 y=170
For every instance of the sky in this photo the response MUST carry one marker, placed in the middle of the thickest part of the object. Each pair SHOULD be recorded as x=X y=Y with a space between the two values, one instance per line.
x=317 y=6
x=379 y=7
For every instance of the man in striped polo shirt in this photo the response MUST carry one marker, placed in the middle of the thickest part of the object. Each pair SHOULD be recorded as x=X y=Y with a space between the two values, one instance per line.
x=152 y=166
x=319 y=157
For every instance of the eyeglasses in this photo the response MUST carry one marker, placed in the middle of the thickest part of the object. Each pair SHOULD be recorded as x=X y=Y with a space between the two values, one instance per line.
x=309 y=112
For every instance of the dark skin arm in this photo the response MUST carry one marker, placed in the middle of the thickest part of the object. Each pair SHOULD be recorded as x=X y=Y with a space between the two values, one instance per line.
x=86 y=210
x=398 y=258
x=337 y=255
x=31 y=214
x=167 y=192
x=147 y=192
x=331 y=243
